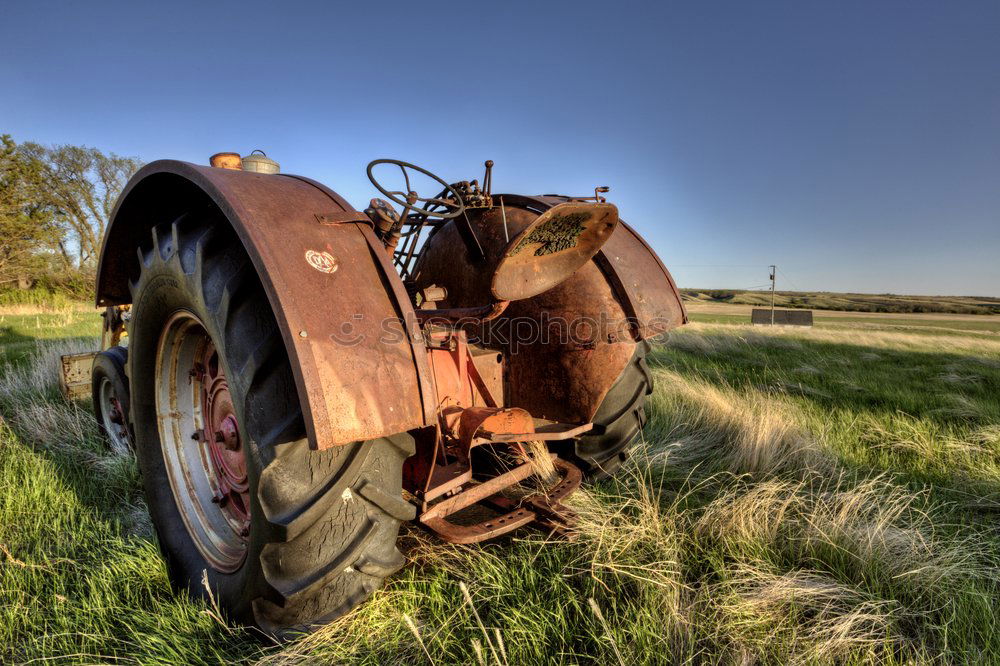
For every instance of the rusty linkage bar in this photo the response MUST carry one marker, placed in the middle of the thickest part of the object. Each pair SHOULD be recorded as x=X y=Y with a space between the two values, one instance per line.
x=447 y=477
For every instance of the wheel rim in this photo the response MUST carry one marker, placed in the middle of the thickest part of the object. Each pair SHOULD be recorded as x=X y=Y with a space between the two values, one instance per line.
x=113 y=416
x=201 y=442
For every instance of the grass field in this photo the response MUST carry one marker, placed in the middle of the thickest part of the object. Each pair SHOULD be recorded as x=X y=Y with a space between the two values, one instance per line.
x=800 y=496
x=827 y=300
x=920 y=323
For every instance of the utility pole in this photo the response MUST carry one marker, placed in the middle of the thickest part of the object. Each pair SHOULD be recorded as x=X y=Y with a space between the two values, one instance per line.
x=773 y=271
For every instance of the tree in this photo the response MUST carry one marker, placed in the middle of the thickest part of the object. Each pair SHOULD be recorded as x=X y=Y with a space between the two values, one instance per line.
x=27 y=222
x=80 y=186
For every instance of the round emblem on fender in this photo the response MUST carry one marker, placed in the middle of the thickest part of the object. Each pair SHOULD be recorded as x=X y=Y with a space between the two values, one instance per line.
x=324 y=262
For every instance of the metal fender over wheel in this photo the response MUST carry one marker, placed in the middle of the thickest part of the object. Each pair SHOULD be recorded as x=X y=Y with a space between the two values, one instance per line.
x=618 y=420
x=285 y=537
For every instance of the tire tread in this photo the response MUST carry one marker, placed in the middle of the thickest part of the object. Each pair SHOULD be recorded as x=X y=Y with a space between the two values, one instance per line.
x=330 y=518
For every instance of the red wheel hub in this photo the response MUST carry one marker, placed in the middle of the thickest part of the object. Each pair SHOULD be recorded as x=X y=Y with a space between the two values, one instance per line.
x=223 y=441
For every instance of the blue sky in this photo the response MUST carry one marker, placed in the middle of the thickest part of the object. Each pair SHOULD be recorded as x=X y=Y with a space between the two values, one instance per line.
x=854 y=144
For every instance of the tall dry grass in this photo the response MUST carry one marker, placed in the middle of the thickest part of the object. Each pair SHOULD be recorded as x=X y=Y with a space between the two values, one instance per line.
x=33 y=408
x=731 y=537
x=28 y=394
x=705 y=426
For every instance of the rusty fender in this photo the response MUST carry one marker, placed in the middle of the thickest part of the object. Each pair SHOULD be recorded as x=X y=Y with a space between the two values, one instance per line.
x=328 y=280
x=625 y=290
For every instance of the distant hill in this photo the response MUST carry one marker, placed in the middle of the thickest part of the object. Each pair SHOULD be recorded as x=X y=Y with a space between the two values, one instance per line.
x=826 y=300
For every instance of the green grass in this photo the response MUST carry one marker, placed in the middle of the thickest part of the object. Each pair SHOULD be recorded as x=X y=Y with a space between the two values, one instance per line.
x=800 y=496
x=912 y=323
x=885 y=322
x=827 y=300
x=22 y=334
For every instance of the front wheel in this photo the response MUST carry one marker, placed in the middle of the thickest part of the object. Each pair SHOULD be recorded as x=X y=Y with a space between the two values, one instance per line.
x=109 y=387
x=282 y=536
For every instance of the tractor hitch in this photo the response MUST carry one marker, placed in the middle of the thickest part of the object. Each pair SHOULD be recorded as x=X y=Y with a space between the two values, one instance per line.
x=484 y=461
x=484 y=469
x=543 y=509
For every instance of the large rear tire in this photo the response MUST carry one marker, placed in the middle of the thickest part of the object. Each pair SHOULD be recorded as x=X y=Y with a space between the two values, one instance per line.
x=294 y=538
x=618 y=420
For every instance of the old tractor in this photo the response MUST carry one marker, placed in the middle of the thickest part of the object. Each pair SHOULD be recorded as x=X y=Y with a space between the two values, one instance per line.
x=300 y=377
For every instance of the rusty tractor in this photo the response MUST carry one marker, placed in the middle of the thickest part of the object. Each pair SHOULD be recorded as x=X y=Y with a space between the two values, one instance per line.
x=298 y=377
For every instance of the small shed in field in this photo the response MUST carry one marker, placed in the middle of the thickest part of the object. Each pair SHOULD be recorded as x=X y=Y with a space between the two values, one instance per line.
x=762 y=317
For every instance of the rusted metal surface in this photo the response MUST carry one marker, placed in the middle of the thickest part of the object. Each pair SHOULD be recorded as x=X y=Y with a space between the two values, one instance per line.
x=455 y=368
x=75 y=374
x=551 y=248
x=342 y=217
x=642 y=283
x=226 y=161
x=445 y=261
x=550 y=513
x=487 y=374
x=457 y=384
x=525 y=253
x=478 y=425
x=626 y=290
x=651 y=298
x=468 y=316
x=487 y=529
x=436 y=518
x=576 y=346
x=351 y=333
x=477 y=493
x=542 y=508
x=565 y=347
x=552 y=432
x=441 y=474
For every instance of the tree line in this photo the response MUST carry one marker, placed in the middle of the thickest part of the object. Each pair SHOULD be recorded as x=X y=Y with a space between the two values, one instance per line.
x=55 y=204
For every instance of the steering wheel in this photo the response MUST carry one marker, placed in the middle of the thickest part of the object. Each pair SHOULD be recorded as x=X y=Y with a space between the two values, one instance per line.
x=409 y=198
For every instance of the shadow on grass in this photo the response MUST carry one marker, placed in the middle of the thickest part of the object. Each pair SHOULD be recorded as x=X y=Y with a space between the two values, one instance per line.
x=947 y=388
x=926 y=417
x=17 y=348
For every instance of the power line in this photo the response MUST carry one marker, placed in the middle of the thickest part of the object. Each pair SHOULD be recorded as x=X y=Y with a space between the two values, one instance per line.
x=794 y=286
x=717 y=265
